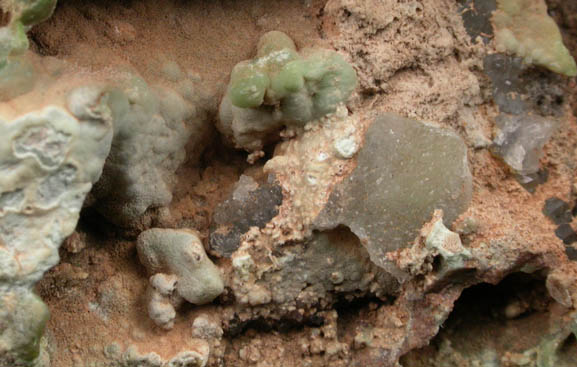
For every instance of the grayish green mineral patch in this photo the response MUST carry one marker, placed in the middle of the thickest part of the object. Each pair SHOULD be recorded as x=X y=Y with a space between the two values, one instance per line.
x=405 y=170
x=180 y=252
x=331 y=261
x=16 y=73
x=24 y=317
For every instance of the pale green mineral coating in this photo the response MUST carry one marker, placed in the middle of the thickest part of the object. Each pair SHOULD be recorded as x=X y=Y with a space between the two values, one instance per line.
x=306 y=86
x=24 y=318
x=49 y=159
x=180 y=252
x=152 y=125
x=36 y=11
x=523 y=28
x=16 y=78
x=25 y=14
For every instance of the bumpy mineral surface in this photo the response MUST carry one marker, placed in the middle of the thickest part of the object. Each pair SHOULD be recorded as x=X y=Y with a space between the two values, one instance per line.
x=379 y=183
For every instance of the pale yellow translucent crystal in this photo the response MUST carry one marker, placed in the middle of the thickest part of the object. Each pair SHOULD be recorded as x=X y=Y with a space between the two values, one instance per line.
x=523 y=28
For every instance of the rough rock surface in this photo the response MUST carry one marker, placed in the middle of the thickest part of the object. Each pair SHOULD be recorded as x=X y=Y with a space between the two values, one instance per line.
x=490 y=281
x=152 y=125
x=250 y=204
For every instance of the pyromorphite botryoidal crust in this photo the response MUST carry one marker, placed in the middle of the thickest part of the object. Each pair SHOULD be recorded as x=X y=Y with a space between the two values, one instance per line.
x=523 y=28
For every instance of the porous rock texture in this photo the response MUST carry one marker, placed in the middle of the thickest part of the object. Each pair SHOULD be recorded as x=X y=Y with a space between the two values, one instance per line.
x=388 y=232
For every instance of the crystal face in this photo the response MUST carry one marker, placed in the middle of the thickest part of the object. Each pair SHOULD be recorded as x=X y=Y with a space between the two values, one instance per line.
x=405 y=170
x=520 y=140
x=557 y=210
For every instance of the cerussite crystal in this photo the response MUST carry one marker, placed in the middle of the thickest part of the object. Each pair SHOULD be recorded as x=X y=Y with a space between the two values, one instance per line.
x=520 y=140
x=405 y=170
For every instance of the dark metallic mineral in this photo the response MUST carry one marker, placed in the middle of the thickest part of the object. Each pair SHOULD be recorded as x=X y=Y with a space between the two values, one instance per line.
x=250 y=204
x=566 y=233
x=557 y=210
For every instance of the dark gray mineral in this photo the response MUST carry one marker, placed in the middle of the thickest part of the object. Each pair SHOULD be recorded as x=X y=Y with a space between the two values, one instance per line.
x=250 y=204
x=405 y=170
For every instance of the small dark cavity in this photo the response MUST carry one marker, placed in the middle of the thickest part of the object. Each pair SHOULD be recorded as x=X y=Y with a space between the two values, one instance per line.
x=5 y=17
x=264 y=325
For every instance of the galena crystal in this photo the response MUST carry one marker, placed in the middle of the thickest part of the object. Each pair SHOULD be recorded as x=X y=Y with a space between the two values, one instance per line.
x=250 y=204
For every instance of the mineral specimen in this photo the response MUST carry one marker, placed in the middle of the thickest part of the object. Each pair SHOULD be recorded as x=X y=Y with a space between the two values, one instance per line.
x=447 y=245
x=344 y=258
x=508 y=87
x=477 y=18
x=163 y=300
x=24 y=318
x=16 y=72
x=524 y=28
x=566 y=233
x=405 y=170
x=518 y=89
x=331 y=261
x=250 y=204
x=520 y=140
x=571 y=253
x=49 y=160
x=181 y=253
x=436 y=255
x=557 y=210
x=281 y=87
x=152 y=125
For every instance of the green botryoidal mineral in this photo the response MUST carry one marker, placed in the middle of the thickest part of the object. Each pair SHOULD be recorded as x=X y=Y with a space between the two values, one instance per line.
x=24 y=318
x=305 y=86
x=280 y=88
x=36 y=11
x=523 y=28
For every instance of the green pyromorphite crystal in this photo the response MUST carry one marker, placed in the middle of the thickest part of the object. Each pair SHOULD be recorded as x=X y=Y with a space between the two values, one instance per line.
x=36 y=11
x=524 y=28
x=305 y=86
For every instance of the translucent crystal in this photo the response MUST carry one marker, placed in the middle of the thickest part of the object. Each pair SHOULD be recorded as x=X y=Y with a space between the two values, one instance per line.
x=405 y=170
x=504 y=72
x=520 y=140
